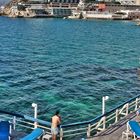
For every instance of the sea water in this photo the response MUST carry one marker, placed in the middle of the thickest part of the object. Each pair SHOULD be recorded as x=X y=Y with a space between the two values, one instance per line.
x=67 y=65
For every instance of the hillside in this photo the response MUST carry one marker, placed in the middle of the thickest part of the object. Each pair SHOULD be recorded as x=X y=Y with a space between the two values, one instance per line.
x=3 y=2
x=9 y=4
x=16 y=1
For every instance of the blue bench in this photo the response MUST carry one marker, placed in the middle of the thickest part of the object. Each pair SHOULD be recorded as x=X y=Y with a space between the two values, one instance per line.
x=135 y=128
x=34 y=135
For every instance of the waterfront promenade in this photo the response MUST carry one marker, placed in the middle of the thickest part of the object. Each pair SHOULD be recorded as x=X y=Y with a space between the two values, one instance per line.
x=114 y=132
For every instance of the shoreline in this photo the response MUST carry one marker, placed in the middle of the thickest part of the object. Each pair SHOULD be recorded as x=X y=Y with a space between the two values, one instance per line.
x=71 y=10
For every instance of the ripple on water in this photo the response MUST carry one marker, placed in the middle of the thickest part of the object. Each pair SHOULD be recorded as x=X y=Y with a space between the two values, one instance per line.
x=67 y=65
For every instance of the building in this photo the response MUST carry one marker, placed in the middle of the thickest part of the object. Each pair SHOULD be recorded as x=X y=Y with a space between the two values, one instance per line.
x=55 y=1
x=137 y=2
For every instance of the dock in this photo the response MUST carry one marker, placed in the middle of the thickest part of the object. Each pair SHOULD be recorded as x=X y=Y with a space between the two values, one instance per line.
x=114 y=132
x=108 y=126
x=16 y=135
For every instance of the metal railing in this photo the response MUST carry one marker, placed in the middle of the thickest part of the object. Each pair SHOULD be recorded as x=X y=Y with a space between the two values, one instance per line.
x=101 y=122
x=19 y=121
x=87 y=128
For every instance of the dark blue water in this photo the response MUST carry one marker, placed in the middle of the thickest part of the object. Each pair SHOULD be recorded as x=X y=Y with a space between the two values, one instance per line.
x=67 y=65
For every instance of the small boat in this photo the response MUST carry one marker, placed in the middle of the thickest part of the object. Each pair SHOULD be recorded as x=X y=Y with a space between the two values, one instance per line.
x=121 y=15
x=75 y=15
x=138 y=23
x=96 y=15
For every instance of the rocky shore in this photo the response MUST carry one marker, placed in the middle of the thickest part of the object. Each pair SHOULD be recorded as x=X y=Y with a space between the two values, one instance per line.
x=24 y=8
x=7 y=10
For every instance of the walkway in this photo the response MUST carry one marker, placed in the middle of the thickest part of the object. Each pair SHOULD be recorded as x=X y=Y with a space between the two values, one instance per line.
x=114 y=132
x=16 y=135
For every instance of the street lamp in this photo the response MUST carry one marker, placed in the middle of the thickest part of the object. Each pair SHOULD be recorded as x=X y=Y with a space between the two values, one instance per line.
x=104 y=98
x=34 y=105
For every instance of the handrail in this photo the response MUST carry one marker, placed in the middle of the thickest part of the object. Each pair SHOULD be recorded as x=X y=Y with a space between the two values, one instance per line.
x=13 y=114
x=71 y=124
x=98 y=117
x=28 y=118
x=85 y=127
x=37 y=120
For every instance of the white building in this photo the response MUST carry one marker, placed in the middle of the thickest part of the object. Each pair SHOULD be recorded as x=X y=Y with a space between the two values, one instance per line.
x=129 y=2
x=137 y=2
x=1 y=9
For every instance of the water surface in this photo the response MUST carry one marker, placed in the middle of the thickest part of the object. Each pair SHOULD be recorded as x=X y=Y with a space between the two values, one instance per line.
x=67 y=65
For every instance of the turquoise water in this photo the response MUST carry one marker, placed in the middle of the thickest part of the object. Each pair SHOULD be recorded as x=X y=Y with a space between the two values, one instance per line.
x=67 y=65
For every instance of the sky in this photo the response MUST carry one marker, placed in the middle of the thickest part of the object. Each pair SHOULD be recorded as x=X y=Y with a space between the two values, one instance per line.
x=3 y=1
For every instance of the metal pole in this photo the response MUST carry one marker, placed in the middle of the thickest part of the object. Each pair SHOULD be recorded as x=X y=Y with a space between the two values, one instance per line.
x=136 y=104
x=104 y=98
x=14 y=122
x=88 y=131
x=117 y=113
x=61 y=134
x=103 y=105
x=34 y=105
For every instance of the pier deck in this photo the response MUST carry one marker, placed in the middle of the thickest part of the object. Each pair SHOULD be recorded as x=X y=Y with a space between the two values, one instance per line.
x=16 y=135
x=114 y=132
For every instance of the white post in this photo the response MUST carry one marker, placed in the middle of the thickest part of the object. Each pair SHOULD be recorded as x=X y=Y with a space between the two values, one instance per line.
x=14 y=122
x=136 y=104
x=61 y=134
x=117 y=113
x=103 y=105
x=34 y=105
x=88 y=131
x=104 y=122
x=127 y=109
x=104 y=98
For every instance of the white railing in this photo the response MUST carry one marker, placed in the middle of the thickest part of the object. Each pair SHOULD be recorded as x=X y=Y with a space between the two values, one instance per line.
x=26 y=122
x=102 y=122
x=87 y=128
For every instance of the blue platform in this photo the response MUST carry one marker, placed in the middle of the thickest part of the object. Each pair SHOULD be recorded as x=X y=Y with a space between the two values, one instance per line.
x=36 y=133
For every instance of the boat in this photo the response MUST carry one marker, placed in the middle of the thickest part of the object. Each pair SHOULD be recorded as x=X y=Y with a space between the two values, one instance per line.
x=96 y=15
x=138 y=23
x=121 y=15
x=75 y=15
x=98 y=12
